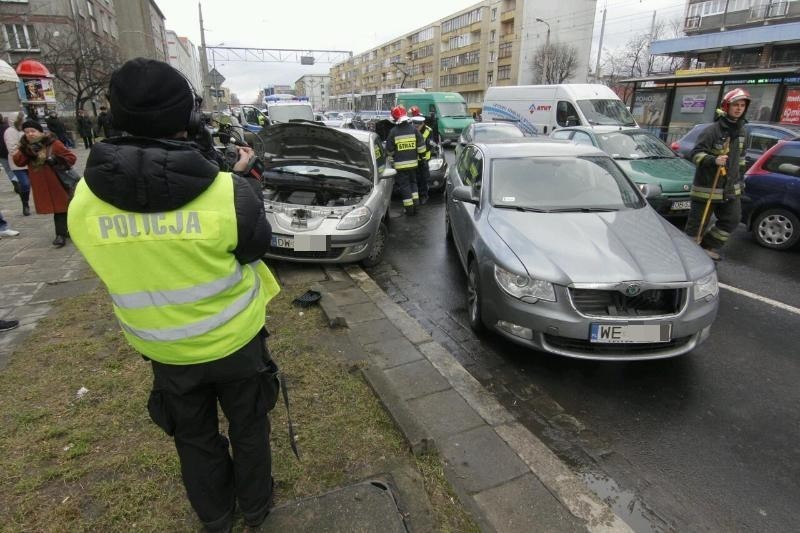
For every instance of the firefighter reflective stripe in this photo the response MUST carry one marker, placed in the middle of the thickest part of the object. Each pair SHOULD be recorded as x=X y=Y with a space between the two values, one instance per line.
x=203 y=326
x=426 y=132
x=401 y=165
x=720 y=235
x=408 y=202
x=405 y=142
x=138 y=300
x=706 y=192
x=699 y=156
x=415 y=195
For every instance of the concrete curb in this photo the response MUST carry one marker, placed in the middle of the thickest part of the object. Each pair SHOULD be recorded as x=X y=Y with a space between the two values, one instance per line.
x=554 y=475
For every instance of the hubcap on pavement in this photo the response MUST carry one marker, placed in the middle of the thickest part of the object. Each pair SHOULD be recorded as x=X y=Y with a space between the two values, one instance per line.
x=775 y=229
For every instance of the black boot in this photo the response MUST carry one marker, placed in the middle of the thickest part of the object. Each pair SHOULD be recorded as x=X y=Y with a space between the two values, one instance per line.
x=408 y=210
x=25 y=196
x=59 y=241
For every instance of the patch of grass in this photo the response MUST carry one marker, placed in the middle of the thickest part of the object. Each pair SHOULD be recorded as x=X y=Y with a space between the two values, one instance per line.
x=97 y=463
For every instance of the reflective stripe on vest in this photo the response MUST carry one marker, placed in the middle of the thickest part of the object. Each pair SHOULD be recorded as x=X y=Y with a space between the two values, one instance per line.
x=198 y=328
x=179 y=296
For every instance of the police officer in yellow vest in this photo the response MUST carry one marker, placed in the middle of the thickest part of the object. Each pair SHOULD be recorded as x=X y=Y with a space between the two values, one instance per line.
x=178 y=245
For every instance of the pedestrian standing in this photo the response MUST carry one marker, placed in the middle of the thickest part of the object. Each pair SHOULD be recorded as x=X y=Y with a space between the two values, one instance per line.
x=39 y=151
x=178 y=245
x=405 y=144
x=19 y=173
x=423 y=173
x=57 y=127
x=103 y=121
x=85 y=128
x=717 y=187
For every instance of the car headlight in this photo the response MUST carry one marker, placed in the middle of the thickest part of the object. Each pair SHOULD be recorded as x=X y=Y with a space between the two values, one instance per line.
x=435 y=164
x=355 y=218
x=706 y=286
x=524 y=287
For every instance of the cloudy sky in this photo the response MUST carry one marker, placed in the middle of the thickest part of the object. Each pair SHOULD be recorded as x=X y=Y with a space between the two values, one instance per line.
x=350 y=25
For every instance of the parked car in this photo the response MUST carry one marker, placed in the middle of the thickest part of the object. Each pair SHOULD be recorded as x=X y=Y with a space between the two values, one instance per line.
x=488 y=132
x=645 y=159
x=564 y=255
x=326 y=193
x=760 y=137
x=771 y=205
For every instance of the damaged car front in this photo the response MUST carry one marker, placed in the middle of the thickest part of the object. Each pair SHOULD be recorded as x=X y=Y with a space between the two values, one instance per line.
x=326 y=193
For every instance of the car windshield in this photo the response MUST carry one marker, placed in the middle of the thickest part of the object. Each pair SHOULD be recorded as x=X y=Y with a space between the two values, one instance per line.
x=285 y=113
x=452 y=109
x=633 y=145
x=497 y=133
x=606 y=112
x=584 y=183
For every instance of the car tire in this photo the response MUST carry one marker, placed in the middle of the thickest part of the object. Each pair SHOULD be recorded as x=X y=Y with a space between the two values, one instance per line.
x=448 y=229
x=778 y=229
x=378 y=247
x=474 y=300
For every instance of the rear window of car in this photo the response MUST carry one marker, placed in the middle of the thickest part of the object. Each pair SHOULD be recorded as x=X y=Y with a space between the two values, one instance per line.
x=787 y=153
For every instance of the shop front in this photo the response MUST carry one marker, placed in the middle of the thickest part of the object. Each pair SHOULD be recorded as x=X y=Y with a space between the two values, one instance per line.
x=669 y=106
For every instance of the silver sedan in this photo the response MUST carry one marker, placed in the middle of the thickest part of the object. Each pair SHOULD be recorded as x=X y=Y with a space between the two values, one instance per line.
x=563 y=254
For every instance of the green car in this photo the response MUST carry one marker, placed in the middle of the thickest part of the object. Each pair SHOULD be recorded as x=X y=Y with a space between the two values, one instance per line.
x=645 y=159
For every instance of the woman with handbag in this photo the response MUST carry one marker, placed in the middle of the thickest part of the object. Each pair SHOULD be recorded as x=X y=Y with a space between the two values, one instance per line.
x=41 y=152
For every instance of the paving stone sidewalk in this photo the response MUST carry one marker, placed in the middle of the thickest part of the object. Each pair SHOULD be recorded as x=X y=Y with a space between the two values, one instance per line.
x=35 y=273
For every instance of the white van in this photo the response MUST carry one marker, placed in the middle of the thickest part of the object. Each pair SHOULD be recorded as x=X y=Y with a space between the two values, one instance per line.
x=540 y=109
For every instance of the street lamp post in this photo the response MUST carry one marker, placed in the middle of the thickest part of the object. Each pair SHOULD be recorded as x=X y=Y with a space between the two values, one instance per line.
x=547 y=41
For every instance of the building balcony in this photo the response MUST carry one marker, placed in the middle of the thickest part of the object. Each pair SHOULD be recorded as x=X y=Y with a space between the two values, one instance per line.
x=505 y=16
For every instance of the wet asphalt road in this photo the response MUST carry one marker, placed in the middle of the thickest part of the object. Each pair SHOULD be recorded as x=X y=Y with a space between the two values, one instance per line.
x=705 y=442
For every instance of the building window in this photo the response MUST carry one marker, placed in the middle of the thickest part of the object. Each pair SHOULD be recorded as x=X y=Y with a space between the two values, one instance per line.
x=504 y=50
x=424 y=35
x=462 y=78
x=494 y=13
x=19 y=37
x=490 y=77
x=467 y=58
x=492 y=35
x=462 y=20
x=504 y=72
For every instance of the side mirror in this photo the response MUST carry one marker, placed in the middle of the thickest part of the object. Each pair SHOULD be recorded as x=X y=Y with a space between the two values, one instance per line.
x=463 y=193
x=650 y=190
x=388 y=173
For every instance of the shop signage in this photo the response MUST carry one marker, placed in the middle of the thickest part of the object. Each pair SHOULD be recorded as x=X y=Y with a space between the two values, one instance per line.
x=696 y=71
x=791 y=107
x=693 y=103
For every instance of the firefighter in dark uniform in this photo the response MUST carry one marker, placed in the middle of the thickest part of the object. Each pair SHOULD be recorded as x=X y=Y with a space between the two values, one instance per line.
x=719 y=149
x=405 y=144
x=423 y=173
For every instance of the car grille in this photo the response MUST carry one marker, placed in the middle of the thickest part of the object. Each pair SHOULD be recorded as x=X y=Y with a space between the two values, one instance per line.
x=634 y=348
x=653 y=302
x=333 y=253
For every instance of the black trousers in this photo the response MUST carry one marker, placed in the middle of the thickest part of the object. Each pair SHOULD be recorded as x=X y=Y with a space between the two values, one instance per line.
x=184 y=403
x=88 y=141
x=60 y=222
x=728 y=215
x=423 y=174
x=407 y=184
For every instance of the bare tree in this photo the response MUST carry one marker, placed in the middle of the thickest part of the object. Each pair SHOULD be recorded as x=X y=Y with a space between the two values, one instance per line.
x=554 y=63
x=79 y=60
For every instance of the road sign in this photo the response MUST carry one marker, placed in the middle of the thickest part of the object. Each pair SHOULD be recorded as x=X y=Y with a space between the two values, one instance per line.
x=216 y=78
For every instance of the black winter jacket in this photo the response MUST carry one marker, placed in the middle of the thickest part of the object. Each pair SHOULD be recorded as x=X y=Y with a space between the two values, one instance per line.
x=712 y=142
x=150 y=176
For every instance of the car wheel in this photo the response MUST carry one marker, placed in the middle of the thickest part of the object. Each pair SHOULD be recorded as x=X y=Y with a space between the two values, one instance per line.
x=778 y=229
x=448 y=229
x=474 y=298
x=378 y=247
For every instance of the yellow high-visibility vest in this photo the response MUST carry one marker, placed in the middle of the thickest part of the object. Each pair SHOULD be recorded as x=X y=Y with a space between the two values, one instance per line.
x=178 y=292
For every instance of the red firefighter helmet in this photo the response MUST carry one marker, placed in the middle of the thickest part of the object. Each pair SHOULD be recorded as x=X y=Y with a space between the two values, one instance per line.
x=414 y=111
x=734 y=96
x=398 y=112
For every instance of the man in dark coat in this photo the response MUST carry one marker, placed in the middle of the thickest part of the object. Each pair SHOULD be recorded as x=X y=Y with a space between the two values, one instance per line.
x=85 y=128
x=103 y=121
x=58 y=128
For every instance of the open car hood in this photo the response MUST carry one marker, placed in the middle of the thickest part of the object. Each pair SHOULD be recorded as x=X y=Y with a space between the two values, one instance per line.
x=304 y=143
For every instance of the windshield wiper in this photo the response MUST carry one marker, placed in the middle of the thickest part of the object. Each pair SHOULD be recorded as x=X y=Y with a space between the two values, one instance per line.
x=521 y=208
x=584 y=210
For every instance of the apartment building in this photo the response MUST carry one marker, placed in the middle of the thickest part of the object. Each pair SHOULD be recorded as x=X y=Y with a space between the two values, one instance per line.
x=141 y=29
x=316 y=87
x=749 y=44
x=183 y=55
x=489 y=43
x=30 y=27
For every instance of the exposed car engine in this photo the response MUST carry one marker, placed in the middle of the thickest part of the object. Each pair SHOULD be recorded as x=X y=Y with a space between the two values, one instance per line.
x=321 y=198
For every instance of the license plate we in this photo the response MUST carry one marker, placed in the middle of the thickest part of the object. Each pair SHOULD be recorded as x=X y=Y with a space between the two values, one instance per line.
x=301 y=243
x=630 y=333
x=681 y=206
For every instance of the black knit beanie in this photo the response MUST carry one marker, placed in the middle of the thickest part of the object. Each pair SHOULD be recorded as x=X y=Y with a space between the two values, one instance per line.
x=150 y=98
x=32 y=124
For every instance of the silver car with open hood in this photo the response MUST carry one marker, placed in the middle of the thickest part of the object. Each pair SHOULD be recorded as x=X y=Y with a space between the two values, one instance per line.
x=326 y=193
